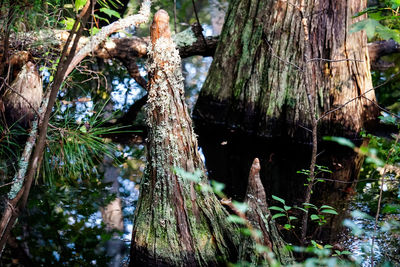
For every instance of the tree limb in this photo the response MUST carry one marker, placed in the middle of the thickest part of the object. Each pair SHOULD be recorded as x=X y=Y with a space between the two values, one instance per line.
x=379 y=49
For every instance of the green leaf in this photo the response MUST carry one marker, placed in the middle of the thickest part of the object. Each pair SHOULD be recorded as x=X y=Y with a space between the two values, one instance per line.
x=276 y=208
x=369 y=25
x=314 y=217
x=355 y=229
x=376 y=161
x=110 y=12
x=69 y=23
x=236 y=219
x=391 y=209
x=292 y=218
x=79 y=4
x=278 y=199
x=395 y=3
x=327 y=207
x=361 y=215
x=387 y=120
x=193 y=177
x=387 y=33
x=288 y=226
x=217 y=187
x=329 y=211
x=301 y=209
x=83 y=129
x=278 y=215
x=94 y=30
x=309 y=205
x=245 y=231
x=287 y=207
x=240 y=206
x=340 y=140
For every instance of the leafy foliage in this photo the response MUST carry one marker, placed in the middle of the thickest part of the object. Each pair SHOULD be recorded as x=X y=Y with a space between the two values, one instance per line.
x=383 y=21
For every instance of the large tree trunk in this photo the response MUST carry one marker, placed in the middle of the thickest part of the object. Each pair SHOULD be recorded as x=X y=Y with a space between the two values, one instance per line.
x=256 y=82
x=278 y=66
x=176 y=223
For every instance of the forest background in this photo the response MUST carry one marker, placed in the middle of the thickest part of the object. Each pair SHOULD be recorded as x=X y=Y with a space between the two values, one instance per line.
x=85 y=186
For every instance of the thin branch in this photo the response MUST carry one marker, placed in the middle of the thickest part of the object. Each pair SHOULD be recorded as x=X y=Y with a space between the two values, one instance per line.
x=334 y=60
x=118 y=25
x=382 y=108
x=198 y=21
x=175 y=28
x=355 y=98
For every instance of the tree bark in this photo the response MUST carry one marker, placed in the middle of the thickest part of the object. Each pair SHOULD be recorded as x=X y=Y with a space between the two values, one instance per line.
x=256 y=81
x=176 y=223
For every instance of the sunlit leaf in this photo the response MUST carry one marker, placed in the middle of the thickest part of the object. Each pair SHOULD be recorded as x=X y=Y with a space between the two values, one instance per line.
x=327 y=207
x=329 y=211
x=110 y=12
x=79 y=4
x=276 y=208
x=314 y=217
x=278 y=215
x=369 y=25
x=236 y=219
x=278 y=199
x=340 y=140
x=240 y=206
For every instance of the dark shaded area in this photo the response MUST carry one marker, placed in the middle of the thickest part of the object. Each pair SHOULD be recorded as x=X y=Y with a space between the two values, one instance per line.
x=229 y=154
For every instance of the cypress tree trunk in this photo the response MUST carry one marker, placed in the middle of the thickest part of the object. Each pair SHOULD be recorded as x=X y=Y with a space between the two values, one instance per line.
x=176 y=223
x=256 y=82
x=279 y=65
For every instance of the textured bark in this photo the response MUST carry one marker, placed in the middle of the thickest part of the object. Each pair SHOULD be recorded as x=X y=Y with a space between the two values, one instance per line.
x=256 y=81
x=22 y=99
x=176 y=223
x=260 y=219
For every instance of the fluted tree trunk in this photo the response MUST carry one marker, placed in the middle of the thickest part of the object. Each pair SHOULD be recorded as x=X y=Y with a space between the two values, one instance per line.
x=176 y=223
x=256 y=82
x=285 y=73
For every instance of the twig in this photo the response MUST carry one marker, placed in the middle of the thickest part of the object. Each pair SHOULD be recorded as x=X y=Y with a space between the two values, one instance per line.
x=175 y=28
x=198 y=21
x=353 y=99
x=118 y=25
x=382 y=108
x=333 y=60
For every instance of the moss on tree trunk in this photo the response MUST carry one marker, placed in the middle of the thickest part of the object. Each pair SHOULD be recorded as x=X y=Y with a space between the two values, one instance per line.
x=256 y=81
x=176 y=223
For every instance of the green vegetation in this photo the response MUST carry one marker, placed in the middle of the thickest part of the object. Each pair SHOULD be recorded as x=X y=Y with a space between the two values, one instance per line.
x=63 y=224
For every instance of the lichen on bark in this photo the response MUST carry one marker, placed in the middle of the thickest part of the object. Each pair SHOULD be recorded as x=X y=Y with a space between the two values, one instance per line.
x=175 y=222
